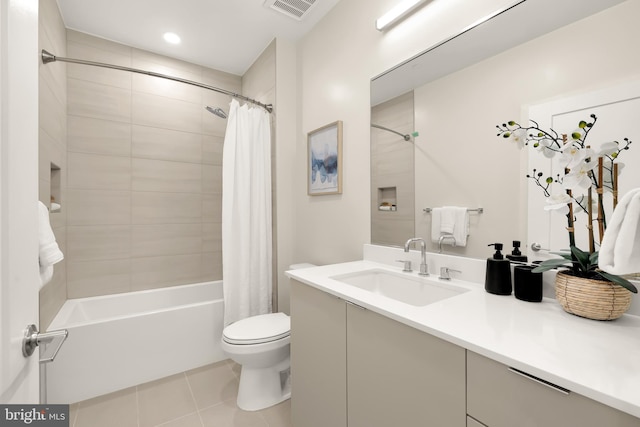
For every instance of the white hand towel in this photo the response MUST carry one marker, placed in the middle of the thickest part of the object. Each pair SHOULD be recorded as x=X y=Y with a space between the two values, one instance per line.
x=436 y=215
x=49 y=253
x=620 y=249
x=447 y=220
x=461 y=225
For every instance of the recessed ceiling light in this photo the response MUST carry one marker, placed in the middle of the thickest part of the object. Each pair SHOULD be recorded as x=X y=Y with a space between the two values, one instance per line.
x=172 y=38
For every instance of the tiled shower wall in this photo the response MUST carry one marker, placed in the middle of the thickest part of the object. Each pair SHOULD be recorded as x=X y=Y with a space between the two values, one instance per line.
x=392 y=170
x=144 y=171
x=52 y=147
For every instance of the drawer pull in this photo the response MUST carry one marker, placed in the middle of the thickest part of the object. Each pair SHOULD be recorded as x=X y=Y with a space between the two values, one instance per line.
x=541 y=381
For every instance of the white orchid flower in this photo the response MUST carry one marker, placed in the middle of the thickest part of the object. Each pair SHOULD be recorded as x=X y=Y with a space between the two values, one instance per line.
x=519 y=136
x=579 y=177
x=608 y=148
x=558 y=203
x=544 y=146
x=573 y=155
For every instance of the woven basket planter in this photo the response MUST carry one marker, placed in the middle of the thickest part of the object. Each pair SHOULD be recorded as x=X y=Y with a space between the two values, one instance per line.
x=590 y=298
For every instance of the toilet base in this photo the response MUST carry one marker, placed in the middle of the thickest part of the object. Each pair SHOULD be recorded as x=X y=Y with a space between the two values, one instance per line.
x=261 y=388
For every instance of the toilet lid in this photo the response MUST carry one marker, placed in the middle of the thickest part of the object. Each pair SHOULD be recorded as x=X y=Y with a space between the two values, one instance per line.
x=258 y=329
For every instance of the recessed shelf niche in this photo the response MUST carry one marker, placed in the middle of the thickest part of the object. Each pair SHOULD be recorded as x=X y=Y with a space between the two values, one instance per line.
x=387 y=199
x=55 y=188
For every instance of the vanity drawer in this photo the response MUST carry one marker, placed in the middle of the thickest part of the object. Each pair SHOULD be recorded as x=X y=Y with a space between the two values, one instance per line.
x=499 y=396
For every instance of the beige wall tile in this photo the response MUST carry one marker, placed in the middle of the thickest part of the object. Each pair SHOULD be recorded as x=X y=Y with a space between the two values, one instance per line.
x=164 y=64
x=98 y=43
x=211 y=266
x=165 y=208
x=98 y=207
x=162 y=271
x=53 y=295
x=105 y=76
x=98 y=242
x=89 y=171
x=91 y=278
x=211 y=179
x=164 y=176
x=166 y=239
x=100 y=101
x=211 y=236
x=212 y=147
x=52 y=115
x=212 y=207
x=98 y=136
x=164 y=144
x=164 y=87
x=166 y=113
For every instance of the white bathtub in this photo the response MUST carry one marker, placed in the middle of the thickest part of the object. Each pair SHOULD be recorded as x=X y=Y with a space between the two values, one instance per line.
x=119 y=341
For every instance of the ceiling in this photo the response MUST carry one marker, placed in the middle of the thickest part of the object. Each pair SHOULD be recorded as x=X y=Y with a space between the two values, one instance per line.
x=226 y=35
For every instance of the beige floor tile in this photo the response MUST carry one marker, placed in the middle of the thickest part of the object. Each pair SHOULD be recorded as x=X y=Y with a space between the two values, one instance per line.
x=278 y=415
x=191 y=420
x=213 y=384
x=164 y=400
x=115 y=409
x=227 y=414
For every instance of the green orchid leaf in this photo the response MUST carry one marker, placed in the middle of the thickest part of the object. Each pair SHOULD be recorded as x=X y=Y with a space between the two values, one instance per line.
x=593 y=258
x=565 y=255
x=619 y=281
x=581 y=257
x=551 y=264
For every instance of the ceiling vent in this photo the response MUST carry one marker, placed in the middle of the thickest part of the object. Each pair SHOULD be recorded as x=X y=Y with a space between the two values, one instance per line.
x=296 y=9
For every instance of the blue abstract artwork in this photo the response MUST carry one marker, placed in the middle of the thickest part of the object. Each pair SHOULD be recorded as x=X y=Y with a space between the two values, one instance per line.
x=324 y=158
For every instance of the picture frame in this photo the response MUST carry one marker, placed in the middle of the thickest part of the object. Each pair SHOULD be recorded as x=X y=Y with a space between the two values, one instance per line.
x=324 y=160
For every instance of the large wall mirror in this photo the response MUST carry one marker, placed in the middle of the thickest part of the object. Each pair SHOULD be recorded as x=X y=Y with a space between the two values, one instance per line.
x=455 y=93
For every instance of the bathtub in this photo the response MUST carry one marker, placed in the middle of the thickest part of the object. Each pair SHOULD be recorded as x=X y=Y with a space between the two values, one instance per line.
x=119 y=341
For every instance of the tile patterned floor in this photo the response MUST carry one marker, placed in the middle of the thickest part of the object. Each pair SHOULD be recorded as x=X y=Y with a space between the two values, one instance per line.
x=203 y=397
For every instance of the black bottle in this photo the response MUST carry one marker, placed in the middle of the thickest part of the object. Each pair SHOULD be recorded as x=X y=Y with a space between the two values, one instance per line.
x=516 y=255
x=498 y=278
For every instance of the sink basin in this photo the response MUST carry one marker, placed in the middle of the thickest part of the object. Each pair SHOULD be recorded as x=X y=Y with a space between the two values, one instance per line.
x=409 y=289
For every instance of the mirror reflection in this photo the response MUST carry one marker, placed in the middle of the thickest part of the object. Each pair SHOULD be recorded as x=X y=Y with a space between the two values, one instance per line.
x=457 y=160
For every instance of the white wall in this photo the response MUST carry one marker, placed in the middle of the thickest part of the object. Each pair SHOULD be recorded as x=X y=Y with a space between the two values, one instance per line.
x=344 y=51
x=337 y=61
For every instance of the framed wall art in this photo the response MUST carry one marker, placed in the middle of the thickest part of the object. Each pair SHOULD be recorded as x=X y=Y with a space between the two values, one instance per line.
x=324 y=160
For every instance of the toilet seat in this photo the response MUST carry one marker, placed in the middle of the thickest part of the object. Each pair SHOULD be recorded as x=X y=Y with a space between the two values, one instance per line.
x=258 y=329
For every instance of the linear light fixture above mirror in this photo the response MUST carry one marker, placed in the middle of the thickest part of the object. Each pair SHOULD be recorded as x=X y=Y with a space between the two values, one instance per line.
x=398 y=12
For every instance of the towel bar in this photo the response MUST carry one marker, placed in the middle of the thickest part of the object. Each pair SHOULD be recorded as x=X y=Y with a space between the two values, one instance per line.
x=479 y=210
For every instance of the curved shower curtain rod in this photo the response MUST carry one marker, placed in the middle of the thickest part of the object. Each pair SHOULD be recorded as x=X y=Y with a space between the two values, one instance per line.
x=48 y=57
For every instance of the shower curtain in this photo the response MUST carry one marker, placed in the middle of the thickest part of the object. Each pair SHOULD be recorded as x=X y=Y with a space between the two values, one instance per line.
x=246 y=213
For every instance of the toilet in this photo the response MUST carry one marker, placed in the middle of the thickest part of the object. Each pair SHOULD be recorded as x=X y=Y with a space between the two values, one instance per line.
x=261 y=345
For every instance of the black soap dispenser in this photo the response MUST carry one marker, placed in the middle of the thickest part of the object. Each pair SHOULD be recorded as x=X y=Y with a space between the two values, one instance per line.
x=498 y=278
x=516 y=255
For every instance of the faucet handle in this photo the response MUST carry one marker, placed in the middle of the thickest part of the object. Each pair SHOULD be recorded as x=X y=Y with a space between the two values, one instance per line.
x=445 y=273
x=407 y=265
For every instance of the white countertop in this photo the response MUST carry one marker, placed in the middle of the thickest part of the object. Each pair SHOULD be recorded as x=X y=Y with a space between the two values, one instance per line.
x=597 y=359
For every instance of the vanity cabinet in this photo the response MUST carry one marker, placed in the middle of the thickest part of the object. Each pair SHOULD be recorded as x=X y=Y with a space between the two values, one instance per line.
x=400 y=376
x=499 y=396
x=318 y=358
x=353 y=367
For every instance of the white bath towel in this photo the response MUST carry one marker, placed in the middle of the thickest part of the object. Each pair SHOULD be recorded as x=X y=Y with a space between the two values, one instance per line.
x=620 y=249
x=49 y=252
x=450 y=221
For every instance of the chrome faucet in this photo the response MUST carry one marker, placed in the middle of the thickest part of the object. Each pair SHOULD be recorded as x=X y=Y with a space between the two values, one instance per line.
x=424 y=268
